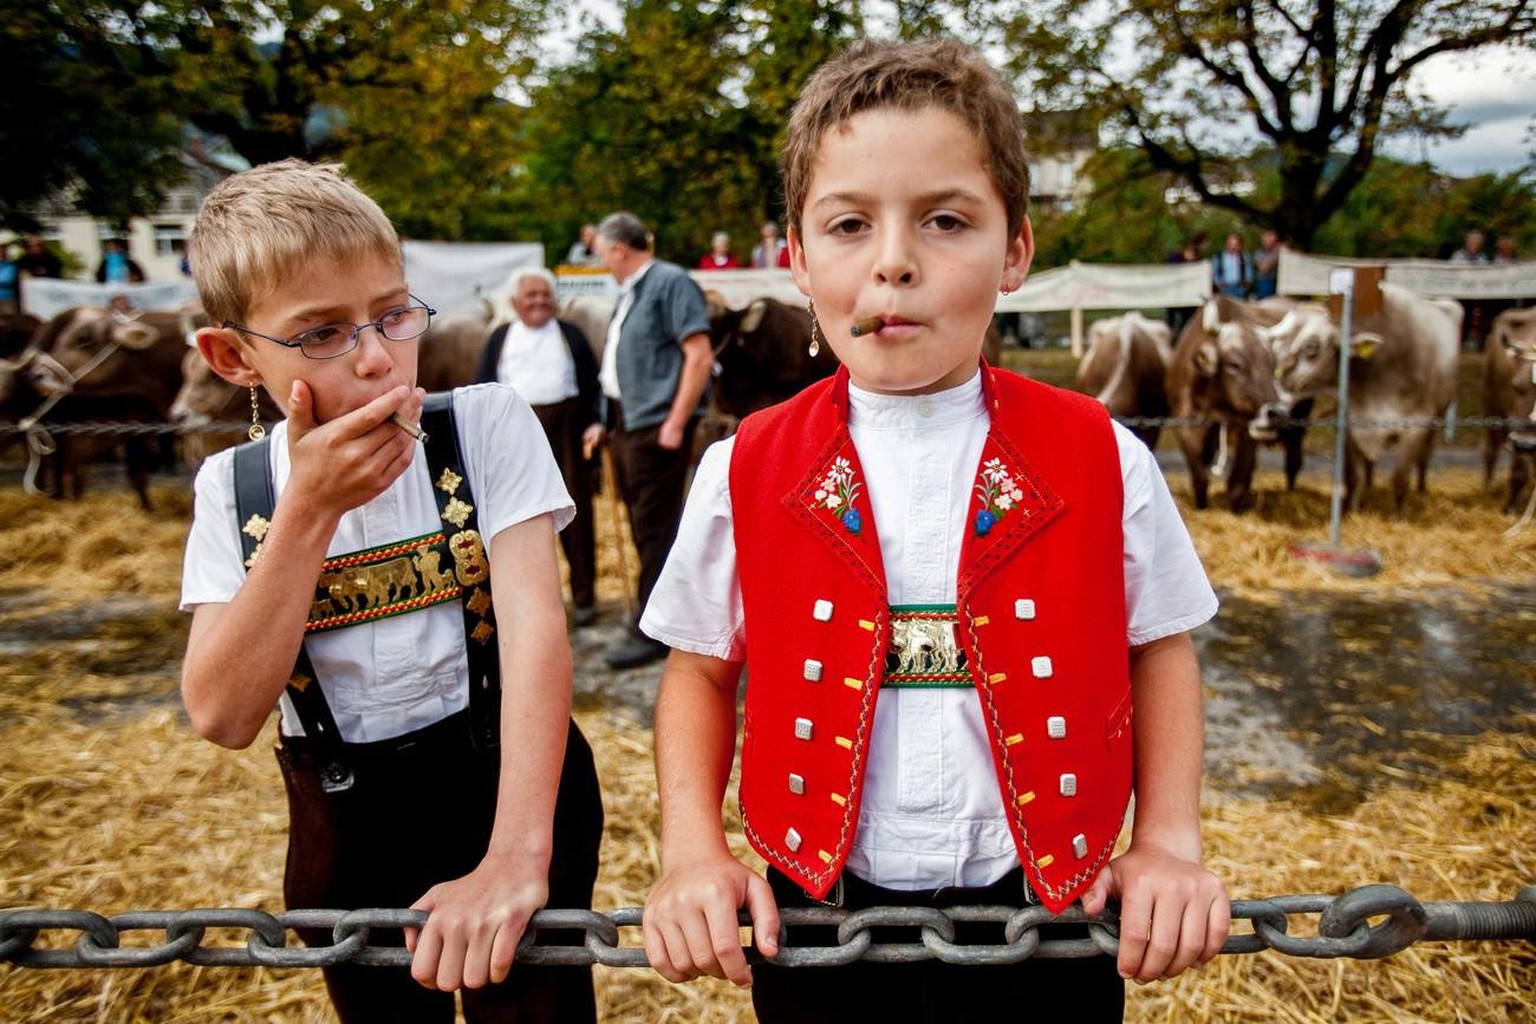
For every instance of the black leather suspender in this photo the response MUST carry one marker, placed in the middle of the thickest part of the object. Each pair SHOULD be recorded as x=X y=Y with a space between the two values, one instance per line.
x=254 y=502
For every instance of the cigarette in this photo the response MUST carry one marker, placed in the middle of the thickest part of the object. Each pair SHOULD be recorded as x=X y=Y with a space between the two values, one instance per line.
x=409 y=427
x=869 y=325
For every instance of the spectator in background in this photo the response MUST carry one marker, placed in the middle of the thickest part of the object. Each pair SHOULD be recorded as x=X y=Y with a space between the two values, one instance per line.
x=37 y=260
x=1504 y=250
x=773 y=250
x=116 y=266
x=1266 y=264
x=10 y=290
x=581 y=252
x=550 y=363
x=1471 y=250
x=1232 y=269
x=1192 y=252
x=656 y=367
x=719 y=256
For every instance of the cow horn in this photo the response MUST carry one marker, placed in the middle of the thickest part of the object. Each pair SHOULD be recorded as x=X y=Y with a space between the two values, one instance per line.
x=1210 y=317
x=754 y=316
x=1280 y=330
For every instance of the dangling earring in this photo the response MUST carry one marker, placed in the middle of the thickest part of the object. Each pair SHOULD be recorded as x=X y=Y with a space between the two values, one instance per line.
x=815 y=349
x=1005 y=291
x=256 y=431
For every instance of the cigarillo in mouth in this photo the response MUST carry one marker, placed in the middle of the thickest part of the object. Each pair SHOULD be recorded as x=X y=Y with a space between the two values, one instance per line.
x=409 y=427
x=869 y=325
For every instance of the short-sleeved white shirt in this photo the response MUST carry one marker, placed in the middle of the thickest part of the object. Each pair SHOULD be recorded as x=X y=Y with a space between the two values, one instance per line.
x=393 y=675
x=931 y=814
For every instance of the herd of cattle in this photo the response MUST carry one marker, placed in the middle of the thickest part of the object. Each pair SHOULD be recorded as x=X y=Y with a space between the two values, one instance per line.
x=1242 y=374
x=1239 y=375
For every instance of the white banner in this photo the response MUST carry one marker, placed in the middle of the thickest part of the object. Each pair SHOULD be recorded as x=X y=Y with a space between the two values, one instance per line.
x=1305 y=274
x=45 y=297
x=461 y=277
x=740 y=288
x=1111 y=286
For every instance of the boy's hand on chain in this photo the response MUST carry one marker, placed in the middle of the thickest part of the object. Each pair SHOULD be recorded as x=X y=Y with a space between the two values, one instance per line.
x=475 y=923
x=1174 y=913
x=690 y=919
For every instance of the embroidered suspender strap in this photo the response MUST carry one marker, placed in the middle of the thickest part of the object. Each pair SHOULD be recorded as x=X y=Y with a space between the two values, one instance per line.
x=455 y=506
x=254 y=502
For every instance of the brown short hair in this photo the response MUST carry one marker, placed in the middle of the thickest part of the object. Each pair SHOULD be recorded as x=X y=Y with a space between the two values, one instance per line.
x=259 y=224
x=942 y=73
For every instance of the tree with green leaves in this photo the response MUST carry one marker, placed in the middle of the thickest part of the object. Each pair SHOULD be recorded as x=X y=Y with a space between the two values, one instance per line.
x=408 y=94
x=80 y=116
x=676 y=115
x=1198 y=86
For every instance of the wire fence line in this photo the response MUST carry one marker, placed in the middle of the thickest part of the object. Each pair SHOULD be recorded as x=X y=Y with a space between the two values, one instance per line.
x=1369 y=922
x=108 y=427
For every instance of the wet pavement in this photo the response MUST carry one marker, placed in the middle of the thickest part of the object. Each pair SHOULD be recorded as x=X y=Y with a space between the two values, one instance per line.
x=1317 y=698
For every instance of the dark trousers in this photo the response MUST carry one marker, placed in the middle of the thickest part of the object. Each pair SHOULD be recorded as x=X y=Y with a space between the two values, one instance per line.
x=651 y=479
x=931 y=991
x=415 y=817
x=563 y=425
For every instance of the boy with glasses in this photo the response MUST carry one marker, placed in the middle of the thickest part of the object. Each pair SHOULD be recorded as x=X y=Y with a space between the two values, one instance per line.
x=394 y=589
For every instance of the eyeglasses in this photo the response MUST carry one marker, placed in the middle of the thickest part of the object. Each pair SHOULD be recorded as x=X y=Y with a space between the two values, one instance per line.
x=331 y=340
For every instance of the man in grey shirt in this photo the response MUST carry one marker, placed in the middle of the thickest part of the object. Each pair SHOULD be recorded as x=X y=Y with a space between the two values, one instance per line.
x=656 y=366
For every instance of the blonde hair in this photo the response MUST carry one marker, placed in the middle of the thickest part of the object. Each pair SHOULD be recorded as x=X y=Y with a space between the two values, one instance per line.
x=260 y=224
x=931 y=73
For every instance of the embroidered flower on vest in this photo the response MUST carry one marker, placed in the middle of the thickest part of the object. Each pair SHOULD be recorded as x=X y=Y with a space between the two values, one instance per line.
x=837 y=492
x=998 y=492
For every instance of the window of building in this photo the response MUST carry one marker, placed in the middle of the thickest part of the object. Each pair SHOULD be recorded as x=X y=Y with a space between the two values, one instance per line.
x=170 y=239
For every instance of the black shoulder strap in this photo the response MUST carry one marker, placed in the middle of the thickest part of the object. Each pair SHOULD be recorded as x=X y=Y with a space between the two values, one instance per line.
x=254 y=502
x=456 y=508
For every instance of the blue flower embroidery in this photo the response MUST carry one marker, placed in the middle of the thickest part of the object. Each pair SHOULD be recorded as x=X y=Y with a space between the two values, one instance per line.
x=998 y=492
x=837 y=492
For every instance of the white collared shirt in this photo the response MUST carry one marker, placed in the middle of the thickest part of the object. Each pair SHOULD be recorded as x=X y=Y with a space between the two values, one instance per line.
x=931 y=814
x=393 y=675
x=608 y=375
x=537 y=362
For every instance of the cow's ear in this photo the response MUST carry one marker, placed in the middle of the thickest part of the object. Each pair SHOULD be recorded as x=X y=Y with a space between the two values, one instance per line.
x=222 y=351
x=753 y=316
x=1364 y=345
x=1206 y=358
x=133 y=334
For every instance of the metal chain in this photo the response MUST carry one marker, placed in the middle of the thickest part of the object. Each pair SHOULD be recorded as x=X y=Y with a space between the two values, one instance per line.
x=1344 y=928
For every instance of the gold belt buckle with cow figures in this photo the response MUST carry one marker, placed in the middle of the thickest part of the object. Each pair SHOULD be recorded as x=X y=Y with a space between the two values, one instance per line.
x=925 y=651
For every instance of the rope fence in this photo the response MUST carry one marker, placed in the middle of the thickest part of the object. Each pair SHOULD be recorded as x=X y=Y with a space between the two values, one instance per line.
x=1369 y=922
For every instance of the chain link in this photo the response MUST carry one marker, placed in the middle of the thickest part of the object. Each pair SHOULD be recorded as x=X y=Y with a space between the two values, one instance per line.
x=1344 y=928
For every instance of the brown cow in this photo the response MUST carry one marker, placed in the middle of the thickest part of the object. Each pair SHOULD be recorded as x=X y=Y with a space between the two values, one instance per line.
x=450 y=350
x=763 y=355
x=1222 y=373
x=92 y=364
x=207 y=398
x=1402 y=376
x=1124 y=368
x=1509 y=388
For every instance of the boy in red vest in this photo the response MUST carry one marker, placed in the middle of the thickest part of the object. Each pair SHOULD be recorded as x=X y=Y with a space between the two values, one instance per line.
x=948 y=585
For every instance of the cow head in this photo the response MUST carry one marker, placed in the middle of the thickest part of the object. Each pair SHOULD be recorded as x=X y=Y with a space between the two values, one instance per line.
x=762 y=354
x=77 y=341
x=1517 y=336
x=204 y=396
x=1306 y=344
x=1234 y=361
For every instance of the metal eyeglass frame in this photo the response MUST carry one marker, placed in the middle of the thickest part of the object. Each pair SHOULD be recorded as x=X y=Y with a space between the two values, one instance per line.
x=357 y=332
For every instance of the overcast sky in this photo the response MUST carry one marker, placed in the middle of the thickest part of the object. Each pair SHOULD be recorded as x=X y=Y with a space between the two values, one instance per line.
x=1495 y=96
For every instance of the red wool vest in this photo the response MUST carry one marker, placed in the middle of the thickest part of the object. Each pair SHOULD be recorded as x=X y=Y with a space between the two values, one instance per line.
x=1041 y=621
